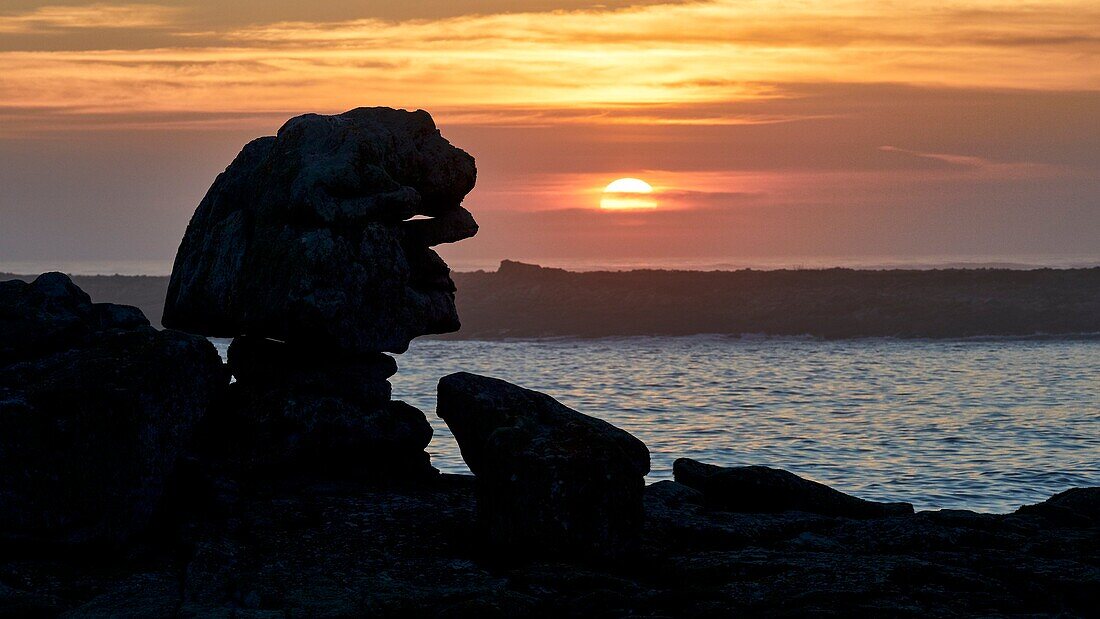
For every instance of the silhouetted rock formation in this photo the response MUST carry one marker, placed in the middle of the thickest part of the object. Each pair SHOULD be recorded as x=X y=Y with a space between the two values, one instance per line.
x=303 y=238
x=760 y=489
x=551 y=481
x=305 y=251
x=95 y=408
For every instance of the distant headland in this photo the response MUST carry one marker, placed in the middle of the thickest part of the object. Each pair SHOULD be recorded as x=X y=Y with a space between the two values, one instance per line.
x=522 y=300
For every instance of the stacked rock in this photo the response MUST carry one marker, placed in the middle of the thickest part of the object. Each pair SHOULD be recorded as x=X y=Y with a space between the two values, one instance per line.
x=306 y=251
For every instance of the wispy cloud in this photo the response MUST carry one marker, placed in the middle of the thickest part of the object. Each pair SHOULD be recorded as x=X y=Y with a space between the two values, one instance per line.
x=52 y=19
x=632 y=64
x=979 y=165
x=962 y=161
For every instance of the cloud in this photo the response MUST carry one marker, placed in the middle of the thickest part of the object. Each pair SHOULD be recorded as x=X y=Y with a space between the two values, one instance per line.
x=980 y=166
x=962 y=161
x=629 y=65
x=53 y=19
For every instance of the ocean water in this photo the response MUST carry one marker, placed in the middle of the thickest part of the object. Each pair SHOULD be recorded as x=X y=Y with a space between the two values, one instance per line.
x=986 y=425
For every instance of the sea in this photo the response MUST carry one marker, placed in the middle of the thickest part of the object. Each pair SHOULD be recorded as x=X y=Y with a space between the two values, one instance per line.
x=986 y=425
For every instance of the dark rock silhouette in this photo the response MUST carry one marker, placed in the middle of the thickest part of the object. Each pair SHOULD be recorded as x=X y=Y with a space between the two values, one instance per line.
x=551 y=481
x=303 y=238
x=52 y=314
x=359 y=378
x=305 y=251
x=762 y=489
x=95 y=408
x=317 y=547
x=1076 y=506
x=302 y=409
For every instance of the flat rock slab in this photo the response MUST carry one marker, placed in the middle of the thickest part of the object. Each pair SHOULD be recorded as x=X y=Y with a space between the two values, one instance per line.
x=764 y=489
x=552 y=480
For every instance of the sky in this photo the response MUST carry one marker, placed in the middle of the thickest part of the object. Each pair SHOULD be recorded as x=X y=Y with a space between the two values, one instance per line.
x=772 y=131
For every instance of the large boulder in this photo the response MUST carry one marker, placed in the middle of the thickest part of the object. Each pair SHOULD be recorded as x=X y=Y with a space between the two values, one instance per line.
x=763 y=489
x=308 y=236
x=551 y=481
x=95 y=408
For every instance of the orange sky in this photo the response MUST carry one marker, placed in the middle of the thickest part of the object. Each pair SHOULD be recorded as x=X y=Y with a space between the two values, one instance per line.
x=770 y=128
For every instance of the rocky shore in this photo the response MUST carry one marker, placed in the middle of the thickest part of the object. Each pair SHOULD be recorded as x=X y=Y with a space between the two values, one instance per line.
x=141 y=477
x=310 y=546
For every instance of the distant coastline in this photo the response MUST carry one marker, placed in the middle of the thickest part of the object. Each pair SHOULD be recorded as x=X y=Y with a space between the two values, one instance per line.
x=162 y=268
x=527 y=301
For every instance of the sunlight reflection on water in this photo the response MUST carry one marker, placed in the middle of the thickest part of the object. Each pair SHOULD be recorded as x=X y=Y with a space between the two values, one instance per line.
x=982 y=425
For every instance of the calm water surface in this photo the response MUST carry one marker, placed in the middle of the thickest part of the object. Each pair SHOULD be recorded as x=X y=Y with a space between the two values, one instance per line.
x=983 y=425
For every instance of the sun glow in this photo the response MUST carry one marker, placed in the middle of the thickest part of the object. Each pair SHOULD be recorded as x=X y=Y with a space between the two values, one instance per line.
x=627 y=194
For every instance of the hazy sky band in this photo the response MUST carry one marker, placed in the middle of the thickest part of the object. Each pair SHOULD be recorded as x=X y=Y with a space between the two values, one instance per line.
x=920 y=120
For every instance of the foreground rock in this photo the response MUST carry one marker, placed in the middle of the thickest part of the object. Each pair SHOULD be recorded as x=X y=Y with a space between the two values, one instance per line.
x=306 y=547
x=551 y=481
x=303 y=238
x=95 y=408
x=1074 y=507
x=762 y=489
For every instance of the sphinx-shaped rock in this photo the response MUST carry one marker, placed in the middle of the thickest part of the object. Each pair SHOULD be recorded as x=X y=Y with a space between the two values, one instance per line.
x=95 y=408
x=307 y=252
x=304 y=237
x=551 y=481
x=762 y=489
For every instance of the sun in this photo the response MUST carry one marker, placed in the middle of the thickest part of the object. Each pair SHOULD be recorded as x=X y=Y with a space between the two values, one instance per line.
x=627 y=194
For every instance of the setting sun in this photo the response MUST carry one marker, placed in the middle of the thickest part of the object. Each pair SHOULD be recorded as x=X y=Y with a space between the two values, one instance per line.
x=627 y=193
